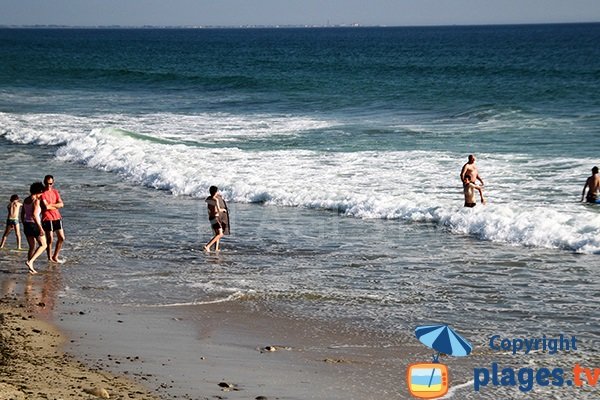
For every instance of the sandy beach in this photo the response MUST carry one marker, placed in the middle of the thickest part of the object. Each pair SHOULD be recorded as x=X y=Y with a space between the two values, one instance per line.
x=33 y=365
x=234 y=350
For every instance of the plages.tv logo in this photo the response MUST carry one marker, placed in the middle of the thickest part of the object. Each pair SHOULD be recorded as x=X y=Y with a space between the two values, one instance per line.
x=432 y=380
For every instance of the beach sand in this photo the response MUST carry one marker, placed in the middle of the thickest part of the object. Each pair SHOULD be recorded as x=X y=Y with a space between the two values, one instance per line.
x=238 y=350
x=33 y=365
x=230 y=350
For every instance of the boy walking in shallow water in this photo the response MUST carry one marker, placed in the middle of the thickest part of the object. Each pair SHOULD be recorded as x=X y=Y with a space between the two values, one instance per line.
x=12 y=220
x=215 y=217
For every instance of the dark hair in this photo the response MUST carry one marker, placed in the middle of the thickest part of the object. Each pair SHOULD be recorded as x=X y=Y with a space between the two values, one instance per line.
x=36 y=188
x=14 y=197
x=48 y=177
x=213 y=190
x=595 y=170
x=467 y=176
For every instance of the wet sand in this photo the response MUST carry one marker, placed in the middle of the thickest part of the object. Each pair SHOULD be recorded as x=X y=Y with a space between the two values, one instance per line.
x=238 y=350
x=241 y=349
x=234 y=350
x=33 y=365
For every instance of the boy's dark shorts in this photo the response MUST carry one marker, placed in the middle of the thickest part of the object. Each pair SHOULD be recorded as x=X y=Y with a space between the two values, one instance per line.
x=218 y=226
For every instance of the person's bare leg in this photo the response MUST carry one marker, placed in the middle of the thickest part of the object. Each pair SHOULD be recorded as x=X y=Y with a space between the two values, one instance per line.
x=214 y=240
x=49 y=240
x=60 y=238
x=39 y=251
x=18 y=233
x=31 y=243
x=6 y=231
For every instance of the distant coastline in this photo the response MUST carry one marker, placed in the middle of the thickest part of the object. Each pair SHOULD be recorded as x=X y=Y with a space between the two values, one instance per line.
x=250 y=26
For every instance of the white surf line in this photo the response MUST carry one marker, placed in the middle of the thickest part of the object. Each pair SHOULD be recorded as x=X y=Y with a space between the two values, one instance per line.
x=231 y=297
x=451 y=391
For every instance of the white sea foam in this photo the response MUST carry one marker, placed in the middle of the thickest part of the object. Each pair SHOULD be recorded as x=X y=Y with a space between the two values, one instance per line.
x=533 y=201
x=234 y=296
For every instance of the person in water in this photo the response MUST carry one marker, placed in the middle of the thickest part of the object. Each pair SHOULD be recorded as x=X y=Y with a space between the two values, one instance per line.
x=593 y=185
x=471 y=169
x=12 y=220
x=216 y=217
x=469 y=189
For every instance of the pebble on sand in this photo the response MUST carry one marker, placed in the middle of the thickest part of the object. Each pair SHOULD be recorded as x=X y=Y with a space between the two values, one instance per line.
x=98 y=392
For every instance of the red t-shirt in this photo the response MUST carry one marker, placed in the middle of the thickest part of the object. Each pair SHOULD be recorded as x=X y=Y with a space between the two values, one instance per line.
x=51 y=196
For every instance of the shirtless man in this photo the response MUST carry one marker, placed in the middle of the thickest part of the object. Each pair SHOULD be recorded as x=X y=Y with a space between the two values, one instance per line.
x=593 y=185
x=217 y=223
x=471 y=169
x=469 y=189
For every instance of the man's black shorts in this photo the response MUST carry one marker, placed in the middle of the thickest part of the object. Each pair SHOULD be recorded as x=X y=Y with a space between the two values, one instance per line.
x=52 y=226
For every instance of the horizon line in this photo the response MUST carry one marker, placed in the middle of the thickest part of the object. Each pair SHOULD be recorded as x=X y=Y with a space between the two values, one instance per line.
x=275 y=26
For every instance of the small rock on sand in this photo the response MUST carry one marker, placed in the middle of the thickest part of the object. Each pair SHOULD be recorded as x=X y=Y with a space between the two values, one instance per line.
x=98 y=392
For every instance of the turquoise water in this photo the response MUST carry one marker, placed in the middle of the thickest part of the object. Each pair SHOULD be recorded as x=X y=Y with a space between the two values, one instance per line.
x=339 y=152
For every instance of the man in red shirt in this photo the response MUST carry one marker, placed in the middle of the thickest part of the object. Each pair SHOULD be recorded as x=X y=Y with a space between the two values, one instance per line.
x=51 y=218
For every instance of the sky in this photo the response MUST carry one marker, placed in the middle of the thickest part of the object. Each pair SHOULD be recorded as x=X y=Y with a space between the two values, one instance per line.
x=294 y=12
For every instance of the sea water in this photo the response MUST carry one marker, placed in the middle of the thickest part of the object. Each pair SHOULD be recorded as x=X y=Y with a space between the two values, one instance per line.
x=339 y=152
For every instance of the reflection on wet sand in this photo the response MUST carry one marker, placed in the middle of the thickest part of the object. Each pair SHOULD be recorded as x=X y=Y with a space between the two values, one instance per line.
x=38 y=291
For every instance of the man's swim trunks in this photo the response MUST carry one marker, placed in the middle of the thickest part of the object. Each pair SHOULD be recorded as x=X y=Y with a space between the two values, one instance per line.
x=470 y=204
x=52 y=226
x=592 y=198
x=12 y=222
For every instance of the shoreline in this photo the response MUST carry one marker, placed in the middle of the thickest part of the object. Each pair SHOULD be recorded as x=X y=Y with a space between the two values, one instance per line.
x=191 y=352
x=196 y=349
x=33 y=365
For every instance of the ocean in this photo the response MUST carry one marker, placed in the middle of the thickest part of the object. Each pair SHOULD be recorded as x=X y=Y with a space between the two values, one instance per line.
x=339 y=153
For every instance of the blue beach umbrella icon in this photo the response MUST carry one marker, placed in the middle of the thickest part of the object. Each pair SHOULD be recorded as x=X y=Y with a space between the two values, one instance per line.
x=443 y=339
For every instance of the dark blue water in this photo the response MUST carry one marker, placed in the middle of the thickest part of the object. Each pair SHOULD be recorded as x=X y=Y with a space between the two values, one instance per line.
x=447 y=70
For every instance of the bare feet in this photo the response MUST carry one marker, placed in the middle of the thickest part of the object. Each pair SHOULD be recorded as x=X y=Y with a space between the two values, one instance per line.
x=31 y=269
x=58 y=260
x=207 y=249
